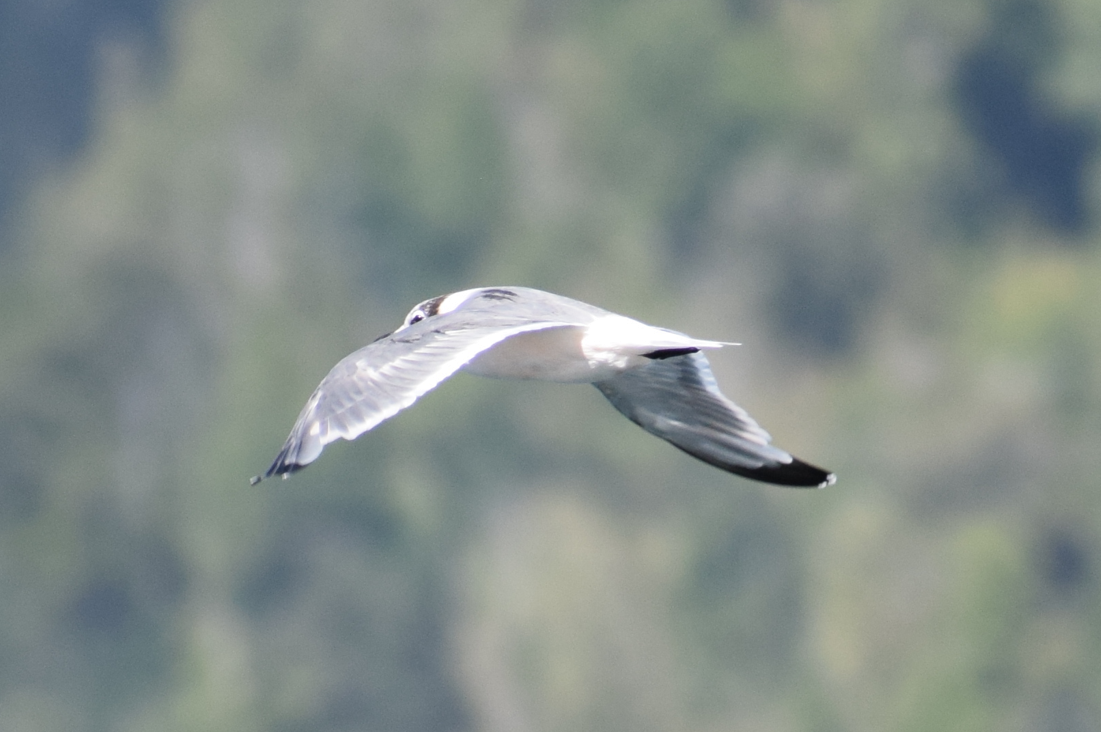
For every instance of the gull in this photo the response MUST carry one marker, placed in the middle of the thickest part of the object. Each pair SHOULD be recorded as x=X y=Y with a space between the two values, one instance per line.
x=659 y=379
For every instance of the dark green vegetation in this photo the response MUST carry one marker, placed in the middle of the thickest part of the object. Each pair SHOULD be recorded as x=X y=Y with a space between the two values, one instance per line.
x=893 y=205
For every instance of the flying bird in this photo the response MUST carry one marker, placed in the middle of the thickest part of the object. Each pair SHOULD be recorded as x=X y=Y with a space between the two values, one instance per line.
x=659 y=379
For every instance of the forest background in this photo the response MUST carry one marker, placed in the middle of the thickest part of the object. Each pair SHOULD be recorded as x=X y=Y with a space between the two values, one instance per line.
x=893 y=205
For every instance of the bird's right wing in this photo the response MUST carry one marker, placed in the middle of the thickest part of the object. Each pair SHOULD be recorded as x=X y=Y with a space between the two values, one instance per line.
x=383 y=378
x=679 y=400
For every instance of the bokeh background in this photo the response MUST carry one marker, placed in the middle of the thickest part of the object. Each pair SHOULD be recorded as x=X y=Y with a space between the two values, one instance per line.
x=893 y=204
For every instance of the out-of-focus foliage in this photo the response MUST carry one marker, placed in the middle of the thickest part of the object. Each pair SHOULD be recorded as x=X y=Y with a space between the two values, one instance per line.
x=48 y=66
x=892 y=204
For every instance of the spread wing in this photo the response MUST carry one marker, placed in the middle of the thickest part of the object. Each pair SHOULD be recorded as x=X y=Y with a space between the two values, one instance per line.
x=383 y=378
x=679 y=400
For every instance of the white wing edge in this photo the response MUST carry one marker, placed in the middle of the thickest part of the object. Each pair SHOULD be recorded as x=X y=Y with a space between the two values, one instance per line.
x=299 y=451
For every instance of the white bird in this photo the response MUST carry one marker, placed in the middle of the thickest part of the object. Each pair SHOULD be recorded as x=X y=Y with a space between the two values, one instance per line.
x=658 y=378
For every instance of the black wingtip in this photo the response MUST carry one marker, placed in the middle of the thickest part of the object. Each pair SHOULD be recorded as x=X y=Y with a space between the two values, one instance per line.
x=664 y=353
x=795 y=474
x=280 y=466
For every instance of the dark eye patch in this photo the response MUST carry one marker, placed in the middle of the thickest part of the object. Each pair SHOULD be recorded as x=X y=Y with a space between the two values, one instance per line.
x=432 y=307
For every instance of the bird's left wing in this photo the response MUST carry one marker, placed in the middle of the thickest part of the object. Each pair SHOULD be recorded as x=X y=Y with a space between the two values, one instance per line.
x=679 y=400
x=383 y=378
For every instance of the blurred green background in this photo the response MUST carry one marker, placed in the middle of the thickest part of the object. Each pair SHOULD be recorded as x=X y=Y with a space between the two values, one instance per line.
x=893 y=204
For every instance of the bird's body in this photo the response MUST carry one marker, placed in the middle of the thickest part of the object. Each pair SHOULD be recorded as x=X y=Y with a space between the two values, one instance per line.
x=658 y=378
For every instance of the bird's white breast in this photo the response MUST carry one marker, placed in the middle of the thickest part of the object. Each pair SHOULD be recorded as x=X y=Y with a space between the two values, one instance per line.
x=600 y=350
x=554 y=354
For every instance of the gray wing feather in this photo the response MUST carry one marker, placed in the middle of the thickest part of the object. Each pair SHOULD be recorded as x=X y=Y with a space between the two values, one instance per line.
x=383 y=378
x=679 y=400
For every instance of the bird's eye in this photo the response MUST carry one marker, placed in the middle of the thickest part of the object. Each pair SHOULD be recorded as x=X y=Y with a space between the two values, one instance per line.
x=416 y=317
